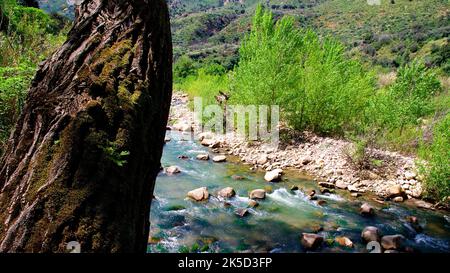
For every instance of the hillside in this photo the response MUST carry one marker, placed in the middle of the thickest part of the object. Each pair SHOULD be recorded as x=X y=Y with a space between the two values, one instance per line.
x=63 y=7
x=387 y=35
x=213 y=31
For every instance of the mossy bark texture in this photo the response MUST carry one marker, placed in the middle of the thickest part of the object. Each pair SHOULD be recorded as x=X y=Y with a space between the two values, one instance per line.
x=82 y=160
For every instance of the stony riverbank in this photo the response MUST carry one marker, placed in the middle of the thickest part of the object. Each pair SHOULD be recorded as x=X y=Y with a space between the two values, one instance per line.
x=324 y=159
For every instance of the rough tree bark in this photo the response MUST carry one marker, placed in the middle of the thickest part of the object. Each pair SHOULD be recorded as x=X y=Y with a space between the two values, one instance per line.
x=82 y=161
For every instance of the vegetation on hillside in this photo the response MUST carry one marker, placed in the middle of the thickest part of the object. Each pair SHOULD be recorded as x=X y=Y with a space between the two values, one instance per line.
x=28 y=35
x=386 y=36
x=437 y=171
x=58 y=7
x=391 y=34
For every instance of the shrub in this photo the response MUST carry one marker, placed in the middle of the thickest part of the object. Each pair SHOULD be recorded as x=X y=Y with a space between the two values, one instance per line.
x=214 y=69
x=14 y=82
x=358 y=155
x=410 y=97
x=316 y=86
x=268 y=62
x=204 y=85
x=437 y=173
x=30 y=35
x=183 y=68
x=27 y=36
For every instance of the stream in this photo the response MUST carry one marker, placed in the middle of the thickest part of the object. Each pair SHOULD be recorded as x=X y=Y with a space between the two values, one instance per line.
x=181 y=225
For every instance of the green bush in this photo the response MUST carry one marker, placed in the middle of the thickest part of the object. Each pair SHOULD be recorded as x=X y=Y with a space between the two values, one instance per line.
x=408 y=100
x=437 y=173
x=204 y=85
x=267 y=66
x=214 y=69
x=27 y=36
x=316 y=86
x=30 y=36
x=14 y=82
x=183 y=68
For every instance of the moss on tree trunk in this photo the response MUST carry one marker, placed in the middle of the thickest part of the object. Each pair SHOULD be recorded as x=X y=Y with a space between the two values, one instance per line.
x=82 y=161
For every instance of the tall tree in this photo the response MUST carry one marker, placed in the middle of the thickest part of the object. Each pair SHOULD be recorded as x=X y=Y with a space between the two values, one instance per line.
x=82 y=160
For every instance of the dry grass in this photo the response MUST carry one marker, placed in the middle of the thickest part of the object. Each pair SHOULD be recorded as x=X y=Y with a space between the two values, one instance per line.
x=386 y=79
x=445 y=82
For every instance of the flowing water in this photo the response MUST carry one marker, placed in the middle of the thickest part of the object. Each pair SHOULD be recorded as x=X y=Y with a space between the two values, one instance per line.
x=181 y=225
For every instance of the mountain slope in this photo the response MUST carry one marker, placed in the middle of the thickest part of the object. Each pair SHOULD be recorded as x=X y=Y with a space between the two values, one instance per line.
x=63 y=7
x=387 y=35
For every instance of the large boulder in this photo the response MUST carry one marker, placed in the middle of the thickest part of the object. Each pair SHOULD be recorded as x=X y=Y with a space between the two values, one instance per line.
x=341 y=185
x=327 y=185
x=352 y=188
x=344 y=241
x=326 y=190
x=200 y=194
x=263 y=159
x=410 y=175
x=305 y=161
x=211 y=143
x=237 y=177
x=392 y=242
x=312 y=195
x=227 y=192
x=273 y=176
x=422 y=204
x=205 y=135
x=219 y=158
x=204 y=157
x=252 y=203
x=396 y=191
x=241 y=212
x=371 y=234
x=414 y=222
x=173 y=170
x=182 y=127
x=258 y=194
x=367 y=210
x=311 y=241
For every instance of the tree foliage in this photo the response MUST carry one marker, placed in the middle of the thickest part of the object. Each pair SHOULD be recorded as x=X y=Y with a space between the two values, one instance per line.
x=27 y=36
x=437 y=173
x=316 y=85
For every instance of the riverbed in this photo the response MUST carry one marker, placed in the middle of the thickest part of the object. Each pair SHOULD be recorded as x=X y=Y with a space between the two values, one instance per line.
x=181 y=225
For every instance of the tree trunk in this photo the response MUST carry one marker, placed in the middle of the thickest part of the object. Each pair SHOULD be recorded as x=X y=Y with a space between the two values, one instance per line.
x=4 y=21
x=82 y=161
